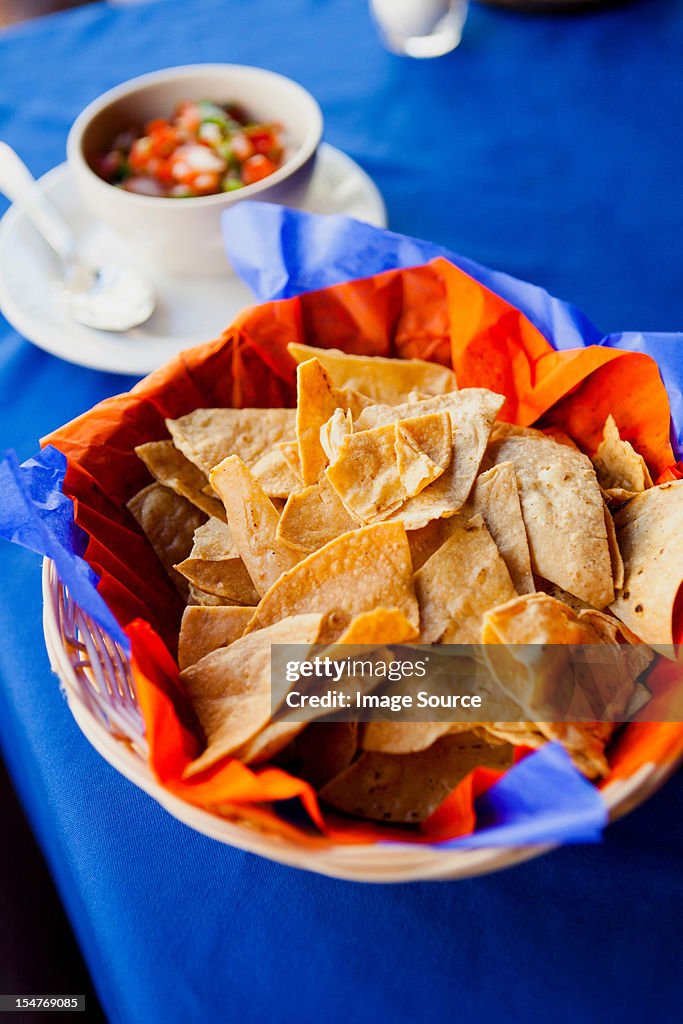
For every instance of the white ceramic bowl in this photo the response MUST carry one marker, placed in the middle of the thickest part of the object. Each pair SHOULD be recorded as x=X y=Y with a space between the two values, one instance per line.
x=183 y=236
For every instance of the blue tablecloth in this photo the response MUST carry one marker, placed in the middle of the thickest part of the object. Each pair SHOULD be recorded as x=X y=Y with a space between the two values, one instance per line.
x=549 y=147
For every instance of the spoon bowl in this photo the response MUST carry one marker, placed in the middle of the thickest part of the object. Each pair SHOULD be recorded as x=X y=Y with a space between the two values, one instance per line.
x=108 y=298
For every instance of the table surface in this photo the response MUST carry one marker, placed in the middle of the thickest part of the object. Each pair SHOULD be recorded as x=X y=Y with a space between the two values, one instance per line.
x=550 y=147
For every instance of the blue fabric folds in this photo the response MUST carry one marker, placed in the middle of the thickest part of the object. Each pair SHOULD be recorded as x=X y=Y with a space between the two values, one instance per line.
x=36 y=514
x=281 y=252
x=542 y=799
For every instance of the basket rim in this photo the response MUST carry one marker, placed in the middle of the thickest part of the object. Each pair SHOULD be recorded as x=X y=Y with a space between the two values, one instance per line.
x=383 y=862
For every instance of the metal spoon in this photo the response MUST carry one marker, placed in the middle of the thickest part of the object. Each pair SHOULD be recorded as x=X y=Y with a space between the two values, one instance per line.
x=110 y=298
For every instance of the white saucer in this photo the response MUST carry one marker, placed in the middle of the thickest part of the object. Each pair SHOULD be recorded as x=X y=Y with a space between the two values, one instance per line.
x=189 y=311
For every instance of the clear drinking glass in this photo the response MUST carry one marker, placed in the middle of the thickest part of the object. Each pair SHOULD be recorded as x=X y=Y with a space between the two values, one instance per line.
x=420 y=28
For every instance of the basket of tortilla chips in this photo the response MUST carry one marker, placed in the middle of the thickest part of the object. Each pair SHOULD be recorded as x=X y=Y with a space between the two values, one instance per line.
x=401 y=458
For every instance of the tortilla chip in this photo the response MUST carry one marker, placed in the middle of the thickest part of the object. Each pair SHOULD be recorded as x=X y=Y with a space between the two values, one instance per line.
x=638 y=655
x=215 y=567
x=333 y=433
x=227 y=579
x=354 y=573
x=616 y=561
x=379 y=626
x=423 y=450
x=496 y=498
x=520 y=734
x=428 y=539
x=384 y=380
x=529 y=652
x=640 y=698
x=213 y=541
x=378 y=470
x=317 y=399
x=649 y=531
x=207 y=436
x=230 y=688
x=553 y=681
x=168 y=521
x=534 y=619
x=169 y=467
x=405 y=737
x=373 y=629
x=365 y=475
x=408 y=788
x=575 y=603
x=610 y=629
x=464 y=578
x=275 y=475
x=206 y=629
x=617 y=463
x=321 y=751
x=201 y=598
x=472 y=412
x=313 y=517
x=253 y=522
x=585 y=743
x=617 y=496
x=563 y=512
x=290 y=453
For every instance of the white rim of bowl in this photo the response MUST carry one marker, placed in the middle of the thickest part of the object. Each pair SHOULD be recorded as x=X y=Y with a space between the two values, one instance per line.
x=305 y=151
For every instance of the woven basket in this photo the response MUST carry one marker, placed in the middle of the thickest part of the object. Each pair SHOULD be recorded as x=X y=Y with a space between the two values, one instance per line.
x=99 y=688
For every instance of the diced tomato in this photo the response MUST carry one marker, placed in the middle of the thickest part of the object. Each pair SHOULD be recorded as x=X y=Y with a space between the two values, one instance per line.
x=139 y=154
x=164 y=172
x=207 y=183
x=252 y=130
x=241 y=147
x=266 y=140
x=256 y=168
x=264 y=143
x=153 y=126
x=188 y=117
x=164 y=140
x=204 y=149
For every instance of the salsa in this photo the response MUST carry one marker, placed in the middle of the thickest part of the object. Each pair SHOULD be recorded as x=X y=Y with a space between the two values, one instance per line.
x=204 y=149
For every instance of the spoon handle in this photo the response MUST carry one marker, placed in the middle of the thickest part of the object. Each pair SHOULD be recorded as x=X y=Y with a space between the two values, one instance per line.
x=19 y=185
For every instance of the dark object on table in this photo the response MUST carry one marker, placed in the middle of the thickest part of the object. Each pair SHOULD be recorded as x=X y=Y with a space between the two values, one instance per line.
x=12 y=11
x=42 y=955
x=553 y=6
